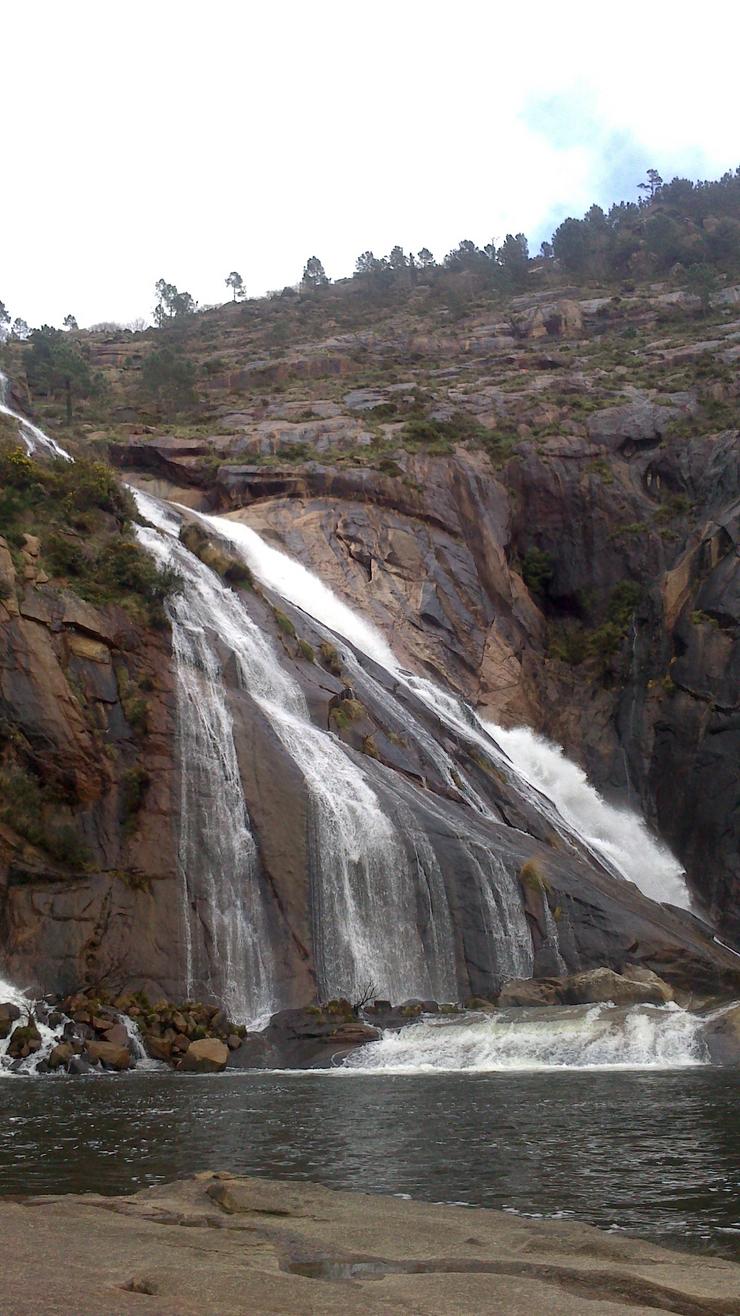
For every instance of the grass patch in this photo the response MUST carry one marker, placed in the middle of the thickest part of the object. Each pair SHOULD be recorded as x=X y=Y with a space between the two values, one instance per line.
x=28 y=807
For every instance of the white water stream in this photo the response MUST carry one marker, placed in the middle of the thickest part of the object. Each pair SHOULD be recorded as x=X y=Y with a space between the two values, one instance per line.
x=361 y=871
x=619 y=837
x=554 y=1037
x=33 y=437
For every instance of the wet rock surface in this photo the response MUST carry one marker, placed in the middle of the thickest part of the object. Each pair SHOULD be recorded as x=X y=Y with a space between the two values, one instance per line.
x=269 y=1246
x=492 y=566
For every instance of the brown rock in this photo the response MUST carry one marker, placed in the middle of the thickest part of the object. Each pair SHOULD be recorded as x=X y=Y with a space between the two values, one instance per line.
x=24 y=1041
x=722 y=1036
x=636 y=973
x=207 y=1056
x=60 y=1055
x=604 y=985
x=157 y=1048
x=109 y=1054
x=115 y=1032
x=531 y=991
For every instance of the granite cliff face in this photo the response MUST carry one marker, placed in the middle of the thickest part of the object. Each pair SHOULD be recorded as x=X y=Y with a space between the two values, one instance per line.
x=499 y=566
x=559 y=545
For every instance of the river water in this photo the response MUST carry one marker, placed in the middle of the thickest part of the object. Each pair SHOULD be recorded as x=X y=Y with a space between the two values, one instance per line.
x=654 y=1153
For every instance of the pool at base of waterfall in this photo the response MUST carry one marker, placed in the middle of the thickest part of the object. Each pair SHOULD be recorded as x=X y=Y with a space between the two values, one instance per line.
x=651 y=1152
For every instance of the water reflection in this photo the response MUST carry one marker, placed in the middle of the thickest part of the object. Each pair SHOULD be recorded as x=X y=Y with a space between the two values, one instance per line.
x=653 y=1153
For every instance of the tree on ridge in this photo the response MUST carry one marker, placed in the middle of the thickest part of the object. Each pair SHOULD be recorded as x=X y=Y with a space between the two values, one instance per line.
x=236 y=283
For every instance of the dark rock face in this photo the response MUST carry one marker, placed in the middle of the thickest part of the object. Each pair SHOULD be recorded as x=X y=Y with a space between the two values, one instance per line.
x=86 y=717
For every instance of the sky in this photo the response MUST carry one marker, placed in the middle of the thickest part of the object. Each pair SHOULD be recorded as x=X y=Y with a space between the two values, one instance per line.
x=181 y=140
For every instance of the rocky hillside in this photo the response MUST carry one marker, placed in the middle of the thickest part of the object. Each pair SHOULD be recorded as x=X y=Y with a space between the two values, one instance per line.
x=540 y=504
x=535 y=497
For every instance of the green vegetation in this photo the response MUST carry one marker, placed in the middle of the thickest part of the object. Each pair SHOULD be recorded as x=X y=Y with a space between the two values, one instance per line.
x=171 y=304
x=134 y=786
x=307 y=651
x=531 y=875
x=330 y=658
x=573 y=643
x=538 y=570
x=284 y=622
x=668 y=227
x=168 y=380
x=343 y=714
x=30 y=808
x=422 y=431
x=56 y=367
x=83 y=519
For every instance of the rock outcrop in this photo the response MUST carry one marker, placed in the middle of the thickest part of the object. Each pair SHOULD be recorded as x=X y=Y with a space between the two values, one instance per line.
x=275 y=1246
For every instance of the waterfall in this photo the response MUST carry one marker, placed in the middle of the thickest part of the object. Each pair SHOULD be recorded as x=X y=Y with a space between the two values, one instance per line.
x=559 y=788
x=565 y=1037
x=619 y=836
x=224 y=921
x=33 y=437
x=362 y=887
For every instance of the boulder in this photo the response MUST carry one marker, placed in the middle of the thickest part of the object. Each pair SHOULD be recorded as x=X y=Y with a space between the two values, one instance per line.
x=722 y=1036
x=24 y=1041
x=60 y=1055
x=531 y=991
x=110 y=1054
x=157 y=1048
x=8 y=1015
x=208 y=1056
x=79 y=1065
x=115 y=1032
x=637 y=973
x=633 y=425
x=597 y=985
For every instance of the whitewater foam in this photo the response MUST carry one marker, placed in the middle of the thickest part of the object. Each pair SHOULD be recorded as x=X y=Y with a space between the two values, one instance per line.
x=619 y=836
x=600 y=1036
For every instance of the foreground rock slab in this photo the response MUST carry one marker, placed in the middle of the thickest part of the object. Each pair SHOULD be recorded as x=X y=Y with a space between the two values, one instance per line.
x=218 y=1243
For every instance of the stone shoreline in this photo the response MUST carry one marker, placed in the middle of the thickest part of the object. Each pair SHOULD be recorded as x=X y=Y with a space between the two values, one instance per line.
x=233 y=1245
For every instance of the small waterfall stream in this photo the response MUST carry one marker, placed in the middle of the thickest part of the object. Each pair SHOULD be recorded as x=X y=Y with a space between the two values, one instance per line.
x=33 y=437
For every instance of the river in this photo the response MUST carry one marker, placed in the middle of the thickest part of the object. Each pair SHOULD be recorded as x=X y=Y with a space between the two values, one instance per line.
x=654 y=1153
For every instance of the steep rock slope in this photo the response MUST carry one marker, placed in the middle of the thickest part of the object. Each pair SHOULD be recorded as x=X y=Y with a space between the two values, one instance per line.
x=497 y=562
x=573 y=566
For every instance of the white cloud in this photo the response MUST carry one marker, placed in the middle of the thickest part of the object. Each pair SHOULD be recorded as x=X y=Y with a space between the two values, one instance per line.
x=175 y=140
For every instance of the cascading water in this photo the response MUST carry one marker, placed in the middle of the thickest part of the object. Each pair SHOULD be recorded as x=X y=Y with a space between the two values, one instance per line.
x=363 y=891
x=569 y=1037
x=33 y=437
x=619 y=838
x=224 y=921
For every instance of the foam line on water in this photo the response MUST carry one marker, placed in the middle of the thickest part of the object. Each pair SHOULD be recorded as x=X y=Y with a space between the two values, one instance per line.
x=575 y=1037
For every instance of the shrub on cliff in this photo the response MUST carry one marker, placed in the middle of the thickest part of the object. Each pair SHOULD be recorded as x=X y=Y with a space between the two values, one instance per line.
x=168 y=379
x=83 y=518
